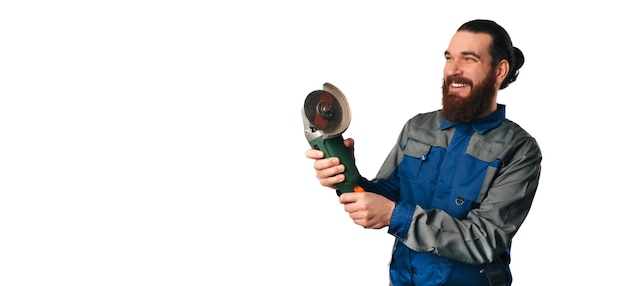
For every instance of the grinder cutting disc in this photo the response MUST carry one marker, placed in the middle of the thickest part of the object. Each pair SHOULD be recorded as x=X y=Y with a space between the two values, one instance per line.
x=328 y=110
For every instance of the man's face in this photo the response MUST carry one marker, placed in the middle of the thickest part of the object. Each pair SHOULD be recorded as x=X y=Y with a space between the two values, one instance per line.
x=470 y=84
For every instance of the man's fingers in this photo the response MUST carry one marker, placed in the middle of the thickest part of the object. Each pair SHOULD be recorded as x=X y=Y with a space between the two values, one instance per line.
x=314 y=154
x=347 y=198
x=322 y=164
x=332 y=181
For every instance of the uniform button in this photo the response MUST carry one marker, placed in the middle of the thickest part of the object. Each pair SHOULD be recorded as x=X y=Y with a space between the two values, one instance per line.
x=459 y=201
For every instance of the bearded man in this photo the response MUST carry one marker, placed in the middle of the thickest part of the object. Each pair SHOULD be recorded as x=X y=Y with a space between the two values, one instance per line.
x=459 y=182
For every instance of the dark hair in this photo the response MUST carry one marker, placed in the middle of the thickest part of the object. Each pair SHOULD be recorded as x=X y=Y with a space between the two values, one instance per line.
x=501 y=46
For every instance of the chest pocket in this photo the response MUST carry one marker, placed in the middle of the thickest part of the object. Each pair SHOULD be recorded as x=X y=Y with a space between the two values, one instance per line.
x=415 y=154
x=418 y=172
x=471 y=179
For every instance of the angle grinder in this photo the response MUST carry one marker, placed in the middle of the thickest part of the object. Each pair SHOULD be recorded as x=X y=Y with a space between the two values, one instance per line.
x=326 y=115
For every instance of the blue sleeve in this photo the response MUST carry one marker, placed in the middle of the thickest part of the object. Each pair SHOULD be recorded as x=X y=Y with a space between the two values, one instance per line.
x=384 y=187
x=401 y=220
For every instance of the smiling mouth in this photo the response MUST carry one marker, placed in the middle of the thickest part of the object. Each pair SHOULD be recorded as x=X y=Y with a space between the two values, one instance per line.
x=458 y=85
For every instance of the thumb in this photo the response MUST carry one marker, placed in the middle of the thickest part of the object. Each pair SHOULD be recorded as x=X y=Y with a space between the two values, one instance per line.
x=349 y=142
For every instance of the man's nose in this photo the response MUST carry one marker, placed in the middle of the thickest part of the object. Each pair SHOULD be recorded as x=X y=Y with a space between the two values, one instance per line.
x=452 y=68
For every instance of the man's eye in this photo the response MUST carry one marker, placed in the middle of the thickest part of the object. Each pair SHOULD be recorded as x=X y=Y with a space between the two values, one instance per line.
x=470 y=60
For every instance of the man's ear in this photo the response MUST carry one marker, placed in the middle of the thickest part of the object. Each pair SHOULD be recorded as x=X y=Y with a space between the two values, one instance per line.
x=502 y=70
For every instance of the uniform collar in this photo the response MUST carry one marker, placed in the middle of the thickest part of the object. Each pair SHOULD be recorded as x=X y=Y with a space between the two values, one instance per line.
x=483 y=124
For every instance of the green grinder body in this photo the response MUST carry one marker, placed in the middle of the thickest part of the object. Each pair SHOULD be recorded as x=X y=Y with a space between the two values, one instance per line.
x=334 y=147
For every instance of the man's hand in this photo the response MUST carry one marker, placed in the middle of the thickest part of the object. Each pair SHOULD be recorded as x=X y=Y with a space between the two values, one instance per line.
x=328 y=171
x=368 y=209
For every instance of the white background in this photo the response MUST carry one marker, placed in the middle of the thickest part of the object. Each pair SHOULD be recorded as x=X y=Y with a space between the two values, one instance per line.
x=161 y=143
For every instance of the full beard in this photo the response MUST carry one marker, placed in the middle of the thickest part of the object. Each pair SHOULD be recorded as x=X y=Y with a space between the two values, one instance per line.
x=463 y=109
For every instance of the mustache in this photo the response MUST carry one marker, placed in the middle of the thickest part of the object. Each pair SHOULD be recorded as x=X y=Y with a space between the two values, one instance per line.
x=457 y=79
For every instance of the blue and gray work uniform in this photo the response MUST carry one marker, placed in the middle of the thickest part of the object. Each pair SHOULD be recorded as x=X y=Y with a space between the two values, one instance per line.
x=462 y=190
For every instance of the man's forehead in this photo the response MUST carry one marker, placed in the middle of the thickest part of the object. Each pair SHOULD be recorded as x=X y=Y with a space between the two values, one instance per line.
x=464 y=41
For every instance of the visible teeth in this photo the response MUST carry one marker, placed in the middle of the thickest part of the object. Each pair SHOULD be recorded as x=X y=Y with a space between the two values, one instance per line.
x=458 y=85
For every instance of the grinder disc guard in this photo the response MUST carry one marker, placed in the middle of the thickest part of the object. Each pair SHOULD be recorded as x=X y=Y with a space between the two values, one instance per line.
x=327 y=110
